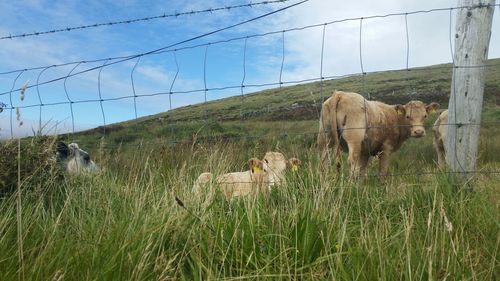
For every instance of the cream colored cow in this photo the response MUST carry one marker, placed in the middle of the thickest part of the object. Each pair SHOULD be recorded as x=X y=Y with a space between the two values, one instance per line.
x=75 y=160
x=367 y=128
x=440 y=129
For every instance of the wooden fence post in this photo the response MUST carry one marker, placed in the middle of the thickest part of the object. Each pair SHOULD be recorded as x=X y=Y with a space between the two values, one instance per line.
x=472 y=37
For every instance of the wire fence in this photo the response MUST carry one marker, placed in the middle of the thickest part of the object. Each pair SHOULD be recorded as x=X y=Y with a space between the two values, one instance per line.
x=243 y=87
x=136 y=20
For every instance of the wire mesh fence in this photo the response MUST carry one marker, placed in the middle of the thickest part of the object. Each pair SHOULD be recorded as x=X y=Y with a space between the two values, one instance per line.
x=205 y=114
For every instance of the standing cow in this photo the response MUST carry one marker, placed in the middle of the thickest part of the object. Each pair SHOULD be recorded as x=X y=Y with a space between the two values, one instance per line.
x=367 y=128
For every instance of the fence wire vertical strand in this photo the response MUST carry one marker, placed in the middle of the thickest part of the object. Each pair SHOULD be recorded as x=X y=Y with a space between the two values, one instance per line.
x=100 y=98
x=40 y=100
x=283 y=56
x=321 y=65
x=364 y=82
x=205 y=90
x=407 y=42
x=244 y=76
x=329 y=159
x=69 y=99
x=407 y=53
x=12 y=105
x=133 y=85
x=170 y=94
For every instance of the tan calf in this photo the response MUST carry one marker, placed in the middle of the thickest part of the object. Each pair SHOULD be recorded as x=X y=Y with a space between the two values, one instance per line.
x=367 y=128
x=440 y=129
x=239 y=183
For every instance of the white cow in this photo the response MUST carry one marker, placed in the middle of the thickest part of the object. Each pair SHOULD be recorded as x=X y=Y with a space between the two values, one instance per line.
x=75 y=160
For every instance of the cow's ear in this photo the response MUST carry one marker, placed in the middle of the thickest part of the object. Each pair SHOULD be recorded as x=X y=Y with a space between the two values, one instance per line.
x=256 y=166
x=432 y=107
x=400 y=109
x=293 y=164
x=62 y=150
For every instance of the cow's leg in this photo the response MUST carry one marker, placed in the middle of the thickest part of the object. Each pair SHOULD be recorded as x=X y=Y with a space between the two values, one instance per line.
x=363 y=164
x=438 y=145
x=337 y=157
x=354 y=159
x=324 y=163
x=385 y=157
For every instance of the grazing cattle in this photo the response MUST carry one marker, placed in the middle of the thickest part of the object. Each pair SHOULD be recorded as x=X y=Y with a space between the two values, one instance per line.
x=440 y=129
x=75 y=160
x=277 y=165
x=367 y=128
x=239 y=183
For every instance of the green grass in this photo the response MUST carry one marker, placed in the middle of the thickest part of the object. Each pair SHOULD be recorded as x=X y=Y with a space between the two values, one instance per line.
x=126 y=225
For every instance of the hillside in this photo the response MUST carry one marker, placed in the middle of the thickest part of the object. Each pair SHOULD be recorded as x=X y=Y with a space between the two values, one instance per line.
x=291 y=109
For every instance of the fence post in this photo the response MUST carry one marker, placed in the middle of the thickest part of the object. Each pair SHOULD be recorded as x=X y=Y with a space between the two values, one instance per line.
x=472 y=37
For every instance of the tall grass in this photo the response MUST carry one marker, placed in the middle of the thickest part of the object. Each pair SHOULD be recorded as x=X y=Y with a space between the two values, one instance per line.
x=125 y=224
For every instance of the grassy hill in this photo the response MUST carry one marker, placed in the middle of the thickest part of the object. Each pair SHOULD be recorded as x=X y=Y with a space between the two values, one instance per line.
x=289 y=110
x=125 y=224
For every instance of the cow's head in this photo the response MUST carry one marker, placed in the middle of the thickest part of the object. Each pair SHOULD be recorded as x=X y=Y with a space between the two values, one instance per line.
x=74 y=159
x=414 y=114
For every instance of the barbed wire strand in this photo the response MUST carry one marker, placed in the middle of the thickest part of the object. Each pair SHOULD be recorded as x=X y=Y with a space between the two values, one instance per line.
x=130 y=21
x=250 y=36
x=127 y=58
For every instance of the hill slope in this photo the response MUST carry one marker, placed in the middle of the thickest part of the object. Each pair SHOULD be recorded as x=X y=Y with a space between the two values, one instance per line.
x=290 y=109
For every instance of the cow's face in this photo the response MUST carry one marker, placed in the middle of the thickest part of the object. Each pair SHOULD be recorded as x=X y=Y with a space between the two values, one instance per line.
x=276 y=161
x=75 y=159
x=414 y=114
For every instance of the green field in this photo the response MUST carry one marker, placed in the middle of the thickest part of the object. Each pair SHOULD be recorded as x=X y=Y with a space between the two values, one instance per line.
x=125 y=224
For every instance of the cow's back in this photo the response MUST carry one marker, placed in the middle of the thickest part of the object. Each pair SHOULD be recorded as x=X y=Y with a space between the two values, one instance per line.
x=370 y=122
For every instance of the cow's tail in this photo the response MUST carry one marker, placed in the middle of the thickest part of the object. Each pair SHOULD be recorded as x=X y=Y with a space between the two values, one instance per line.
x=328 y=136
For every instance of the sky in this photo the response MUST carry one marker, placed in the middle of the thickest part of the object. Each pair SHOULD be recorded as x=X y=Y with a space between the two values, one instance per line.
x=233 y=58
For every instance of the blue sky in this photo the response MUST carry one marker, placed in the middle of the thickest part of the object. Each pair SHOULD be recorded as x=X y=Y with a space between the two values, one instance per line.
x=383 y=48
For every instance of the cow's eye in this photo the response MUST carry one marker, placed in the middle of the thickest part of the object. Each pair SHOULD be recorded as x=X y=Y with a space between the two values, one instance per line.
x=266 y=161
x=407 y=116
x=425 y=116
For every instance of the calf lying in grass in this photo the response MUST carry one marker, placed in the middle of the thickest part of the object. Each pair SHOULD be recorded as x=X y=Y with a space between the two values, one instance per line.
x=261 y=176
x=239 y=183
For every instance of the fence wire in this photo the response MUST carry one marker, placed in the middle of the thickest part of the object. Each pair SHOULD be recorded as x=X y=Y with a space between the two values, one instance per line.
x=243 y=86
x=136 y=20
